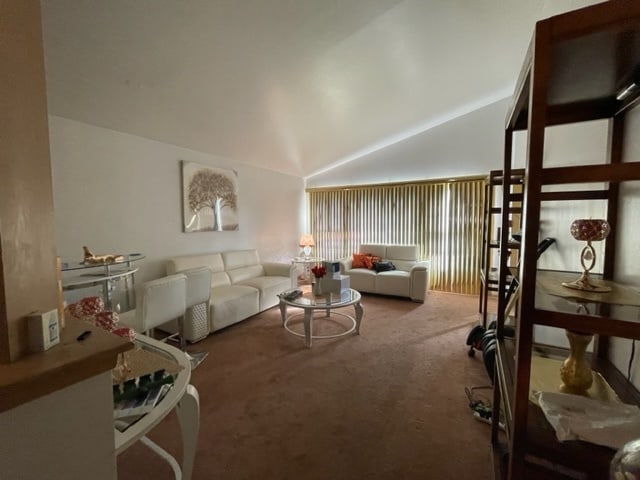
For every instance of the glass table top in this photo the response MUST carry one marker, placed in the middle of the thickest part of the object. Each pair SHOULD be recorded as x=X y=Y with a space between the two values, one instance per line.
x=327 y=300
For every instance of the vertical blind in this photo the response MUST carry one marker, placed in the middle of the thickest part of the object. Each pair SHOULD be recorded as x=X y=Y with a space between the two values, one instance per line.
x=444 y=218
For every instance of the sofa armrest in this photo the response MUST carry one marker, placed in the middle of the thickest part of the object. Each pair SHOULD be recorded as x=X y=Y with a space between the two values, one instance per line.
x=345 y=264
x=420 y=266
x=419 y=281
x=282 y=270
x=277 y=268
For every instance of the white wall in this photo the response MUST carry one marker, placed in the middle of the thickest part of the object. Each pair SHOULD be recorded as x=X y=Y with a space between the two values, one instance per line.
x=119 y=193
x=65 y=435
x=628 y=259
x=468 y=145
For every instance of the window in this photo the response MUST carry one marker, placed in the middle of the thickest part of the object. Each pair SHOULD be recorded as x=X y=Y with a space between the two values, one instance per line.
x=444 y=218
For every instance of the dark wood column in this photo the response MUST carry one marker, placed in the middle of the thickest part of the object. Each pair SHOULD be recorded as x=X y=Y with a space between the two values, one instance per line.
x=27 y=236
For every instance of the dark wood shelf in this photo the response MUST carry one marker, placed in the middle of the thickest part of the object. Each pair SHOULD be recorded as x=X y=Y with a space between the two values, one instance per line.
x=500 y=460
x=595 y=173
x=592 y=54
x=493 y=185
x=575 y=69
x=505 y=360
x=541 y=438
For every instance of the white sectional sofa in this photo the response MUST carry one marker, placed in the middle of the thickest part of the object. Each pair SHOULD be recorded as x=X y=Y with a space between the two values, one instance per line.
x=241 y=286
x=410 y=279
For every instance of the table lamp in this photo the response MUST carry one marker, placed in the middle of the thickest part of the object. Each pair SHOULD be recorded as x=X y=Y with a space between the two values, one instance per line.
x=588 y=230
x=306 y=242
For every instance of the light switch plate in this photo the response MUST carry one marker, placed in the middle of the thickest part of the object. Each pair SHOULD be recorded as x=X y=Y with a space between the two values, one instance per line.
x=44 y=330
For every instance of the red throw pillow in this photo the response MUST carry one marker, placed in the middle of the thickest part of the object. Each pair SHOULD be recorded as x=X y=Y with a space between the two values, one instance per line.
x=359 y=260
x=370 y=260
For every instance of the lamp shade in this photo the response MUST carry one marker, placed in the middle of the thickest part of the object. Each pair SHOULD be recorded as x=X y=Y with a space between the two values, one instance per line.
x=589 y=230
x=307 y=241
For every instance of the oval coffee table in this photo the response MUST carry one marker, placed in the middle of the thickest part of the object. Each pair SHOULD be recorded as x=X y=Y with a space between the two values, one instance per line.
x=309 y=303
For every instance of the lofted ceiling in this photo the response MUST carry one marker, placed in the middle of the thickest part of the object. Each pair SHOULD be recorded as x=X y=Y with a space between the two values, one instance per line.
x=294 y=86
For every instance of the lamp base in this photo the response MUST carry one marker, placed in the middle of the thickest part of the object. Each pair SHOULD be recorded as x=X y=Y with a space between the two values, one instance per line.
x=584 y=283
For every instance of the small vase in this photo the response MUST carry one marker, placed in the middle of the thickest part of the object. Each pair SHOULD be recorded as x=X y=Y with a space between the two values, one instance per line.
x=316 y=288
x=575 y=371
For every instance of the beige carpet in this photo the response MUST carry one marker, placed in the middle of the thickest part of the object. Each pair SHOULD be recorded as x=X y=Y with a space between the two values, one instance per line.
x=388 y=404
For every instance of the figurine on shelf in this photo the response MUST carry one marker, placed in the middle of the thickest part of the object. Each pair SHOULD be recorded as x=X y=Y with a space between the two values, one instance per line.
x=91 y=259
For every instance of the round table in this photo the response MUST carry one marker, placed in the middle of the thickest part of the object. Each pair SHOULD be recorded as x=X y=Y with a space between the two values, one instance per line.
x=183 y=398
x=309 y=303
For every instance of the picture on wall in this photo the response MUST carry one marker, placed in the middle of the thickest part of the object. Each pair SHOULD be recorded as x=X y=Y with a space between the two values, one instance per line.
x=209 y=198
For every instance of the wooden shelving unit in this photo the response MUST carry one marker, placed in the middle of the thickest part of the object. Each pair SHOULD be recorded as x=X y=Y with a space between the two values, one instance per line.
x=576 y=69
x=494 y=191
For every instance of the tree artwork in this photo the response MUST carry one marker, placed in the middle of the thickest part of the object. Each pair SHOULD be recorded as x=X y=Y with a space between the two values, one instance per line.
x=211 y=199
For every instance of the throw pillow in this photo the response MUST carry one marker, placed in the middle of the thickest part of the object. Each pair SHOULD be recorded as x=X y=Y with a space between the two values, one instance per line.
x=359 y=260
x=371 y=260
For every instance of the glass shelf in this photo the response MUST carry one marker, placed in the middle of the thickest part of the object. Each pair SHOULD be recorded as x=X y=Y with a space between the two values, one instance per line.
x=103 y=275
x=126 y=261
x=603 y=313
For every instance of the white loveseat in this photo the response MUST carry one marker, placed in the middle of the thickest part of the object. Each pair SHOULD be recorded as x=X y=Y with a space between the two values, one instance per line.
x=241 y=286
x=410 y=279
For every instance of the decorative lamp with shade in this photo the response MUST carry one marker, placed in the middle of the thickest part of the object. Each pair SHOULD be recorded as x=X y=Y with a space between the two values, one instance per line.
x=306 y=242
x=588 y=230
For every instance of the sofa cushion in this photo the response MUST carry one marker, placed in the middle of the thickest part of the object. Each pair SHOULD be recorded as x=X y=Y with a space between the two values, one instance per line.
x=212 y=260
x=231 y=304
x=404 y=257
x=242 y=265
x=403 y=265
x=240 y=258
x=374 y=249
x=396 y=282
x=269 y=288
x=362 y=279
x=402 y=252
x=239 y=275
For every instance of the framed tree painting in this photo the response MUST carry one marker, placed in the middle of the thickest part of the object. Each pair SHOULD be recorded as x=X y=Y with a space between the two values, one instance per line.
x=209 y=198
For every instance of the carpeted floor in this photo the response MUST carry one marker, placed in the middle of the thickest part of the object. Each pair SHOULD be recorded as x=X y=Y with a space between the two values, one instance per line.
x=388 y=404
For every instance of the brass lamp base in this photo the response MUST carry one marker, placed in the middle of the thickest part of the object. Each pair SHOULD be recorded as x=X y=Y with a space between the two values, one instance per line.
x=584 y=283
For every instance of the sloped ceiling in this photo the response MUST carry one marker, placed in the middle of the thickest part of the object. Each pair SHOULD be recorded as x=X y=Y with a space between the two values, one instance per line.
x=288 y=85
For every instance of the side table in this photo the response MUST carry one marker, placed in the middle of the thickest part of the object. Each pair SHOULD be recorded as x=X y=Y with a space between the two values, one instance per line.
x=182 y=397
x=307 y=263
